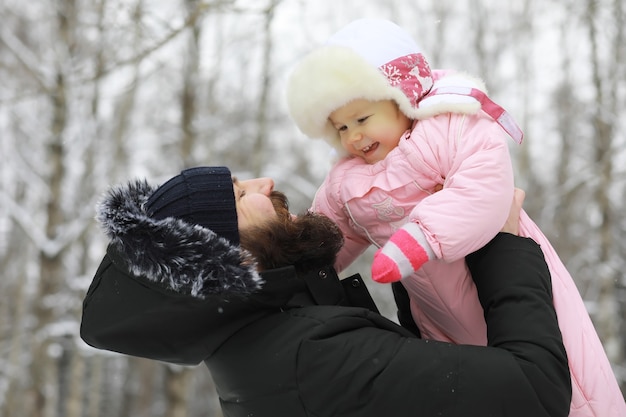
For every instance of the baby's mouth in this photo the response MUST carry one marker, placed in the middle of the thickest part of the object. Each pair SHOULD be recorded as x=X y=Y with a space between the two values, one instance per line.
x=370 y=148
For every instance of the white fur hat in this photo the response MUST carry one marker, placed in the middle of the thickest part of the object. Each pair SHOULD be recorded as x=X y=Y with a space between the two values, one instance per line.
x=369 y=59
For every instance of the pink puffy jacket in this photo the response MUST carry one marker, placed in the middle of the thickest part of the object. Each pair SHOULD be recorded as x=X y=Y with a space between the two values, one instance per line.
x=468 y=154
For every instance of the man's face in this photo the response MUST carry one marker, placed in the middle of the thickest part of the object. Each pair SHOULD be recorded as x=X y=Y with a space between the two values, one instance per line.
x=275 y=237
x=253 y=201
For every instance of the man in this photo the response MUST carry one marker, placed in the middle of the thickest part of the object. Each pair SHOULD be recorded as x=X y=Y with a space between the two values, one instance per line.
x=209 y=268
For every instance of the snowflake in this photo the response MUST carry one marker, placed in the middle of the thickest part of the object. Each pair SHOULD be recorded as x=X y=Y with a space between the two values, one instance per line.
x=392 y=73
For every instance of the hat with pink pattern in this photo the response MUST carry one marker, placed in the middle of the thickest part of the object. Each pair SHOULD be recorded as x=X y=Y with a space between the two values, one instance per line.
x=370 y=59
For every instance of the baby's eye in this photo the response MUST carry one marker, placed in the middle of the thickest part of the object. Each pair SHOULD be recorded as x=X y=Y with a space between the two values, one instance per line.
x=363 y=119
x=341 y=128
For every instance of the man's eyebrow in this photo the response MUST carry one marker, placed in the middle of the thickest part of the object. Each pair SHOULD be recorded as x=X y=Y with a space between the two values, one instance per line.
x=235 y=180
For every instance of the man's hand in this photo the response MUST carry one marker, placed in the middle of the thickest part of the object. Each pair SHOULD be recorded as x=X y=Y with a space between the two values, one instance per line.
x=512 y=223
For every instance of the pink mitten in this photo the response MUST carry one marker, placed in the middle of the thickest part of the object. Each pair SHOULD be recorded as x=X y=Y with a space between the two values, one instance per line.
x=404 y=253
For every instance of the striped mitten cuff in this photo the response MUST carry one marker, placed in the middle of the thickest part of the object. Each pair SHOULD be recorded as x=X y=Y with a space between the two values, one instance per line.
x=404 y=253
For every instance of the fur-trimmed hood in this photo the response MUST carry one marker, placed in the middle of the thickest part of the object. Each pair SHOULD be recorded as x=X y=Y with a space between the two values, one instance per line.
x=171 y=253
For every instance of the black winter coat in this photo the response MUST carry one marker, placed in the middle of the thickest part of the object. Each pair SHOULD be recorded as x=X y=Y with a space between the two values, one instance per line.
x=306 y=345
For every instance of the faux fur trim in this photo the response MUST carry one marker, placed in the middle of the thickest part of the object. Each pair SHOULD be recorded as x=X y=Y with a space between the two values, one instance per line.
x=188 y=259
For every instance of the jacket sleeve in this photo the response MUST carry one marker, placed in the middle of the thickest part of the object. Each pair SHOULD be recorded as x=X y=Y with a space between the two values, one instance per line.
x=471 y=156
x=328 y=202
x=522 y=372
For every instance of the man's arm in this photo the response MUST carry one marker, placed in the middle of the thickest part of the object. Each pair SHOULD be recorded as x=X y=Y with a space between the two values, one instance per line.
x=523 y=372
x=515 y=290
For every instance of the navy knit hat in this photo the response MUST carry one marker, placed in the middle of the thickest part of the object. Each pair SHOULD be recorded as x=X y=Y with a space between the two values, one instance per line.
x=202 y=196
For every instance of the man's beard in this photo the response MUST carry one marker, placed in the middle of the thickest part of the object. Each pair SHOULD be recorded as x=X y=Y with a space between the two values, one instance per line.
x=307 y=242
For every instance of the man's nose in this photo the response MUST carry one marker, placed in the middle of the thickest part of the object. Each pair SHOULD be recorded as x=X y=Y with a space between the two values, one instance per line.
x=264 y=185
x=268 y=185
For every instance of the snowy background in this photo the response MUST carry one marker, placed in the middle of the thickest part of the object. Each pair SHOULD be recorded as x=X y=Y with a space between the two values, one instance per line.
x=93 y=93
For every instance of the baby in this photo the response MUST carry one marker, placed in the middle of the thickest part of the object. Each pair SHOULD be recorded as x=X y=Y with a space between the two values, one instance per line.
x=424 y=156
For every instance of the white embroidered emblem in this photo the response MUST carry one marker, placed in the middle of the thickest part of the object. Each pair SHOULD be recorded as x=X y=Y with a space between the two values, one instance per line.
x=387 y=212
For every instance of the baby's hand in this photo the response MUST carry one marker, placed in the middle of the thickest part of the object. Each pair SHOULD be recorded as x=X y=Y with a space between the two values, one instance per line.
x=512 y=223
x=404 y=253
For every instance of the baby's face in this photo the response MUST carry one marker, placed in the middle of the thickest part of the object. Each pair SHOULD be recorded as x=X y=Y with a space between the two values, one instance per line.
x=370 y=129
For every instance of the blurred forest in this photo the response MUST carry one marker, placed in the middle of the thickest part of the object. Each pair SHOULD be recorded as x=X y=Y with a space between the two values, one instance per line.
x=94 y=93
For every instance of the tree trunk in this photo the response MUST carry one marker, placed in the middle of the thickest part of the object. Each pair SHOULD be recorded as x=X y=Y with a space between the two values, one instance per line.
x=177 y=391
